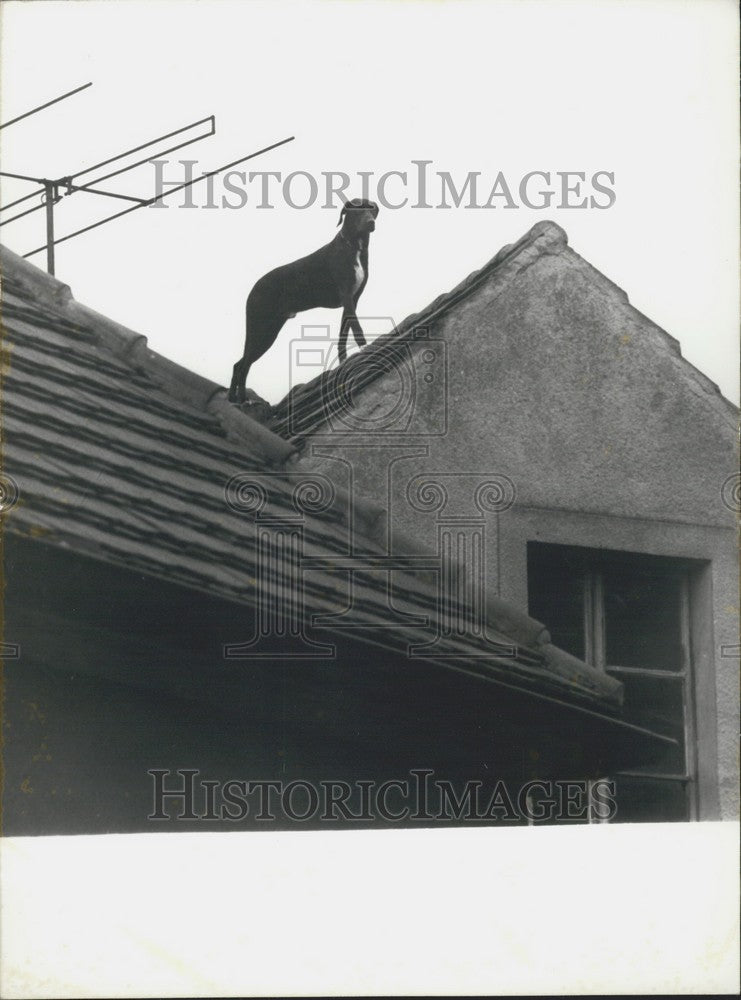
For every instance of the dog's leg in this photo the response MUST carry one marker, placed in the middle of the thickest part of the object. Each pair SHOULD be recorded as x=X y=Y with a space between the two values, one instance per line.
x=357 y=332
x=239 y=378
x=357 y=329
x=263 y=321
x=349 y=322
x=344 y=329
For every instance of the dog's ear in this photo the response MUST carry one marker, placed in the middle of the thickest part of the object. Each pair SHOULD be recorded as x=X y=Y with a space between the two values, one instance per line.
x=342 y=214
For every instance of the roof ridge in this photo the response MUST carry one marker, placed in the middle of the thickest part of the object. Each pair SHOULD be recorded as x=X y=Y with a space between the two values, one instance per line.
x=546 y=234
x=711 y=388
x=545 y=237
x=178 y=382
x=39 y=283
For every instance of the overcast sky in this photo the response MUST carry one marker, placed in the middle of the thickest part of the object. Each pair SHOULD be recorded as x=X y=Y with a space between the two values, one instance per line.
x=645 y=91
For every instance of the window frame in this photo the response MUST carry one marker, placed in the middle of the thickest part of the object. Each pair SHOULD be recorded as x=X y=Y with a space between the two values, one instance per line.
x=592 y=565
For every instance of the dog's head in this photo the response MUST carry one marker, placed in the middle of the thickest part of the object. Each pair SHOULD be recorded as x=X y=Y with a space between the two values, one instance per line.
x=359 y=216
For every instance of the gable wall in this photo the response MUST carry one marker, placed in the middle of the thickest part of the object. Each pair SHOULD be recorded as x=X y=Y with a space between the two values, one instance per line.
x=606 y=437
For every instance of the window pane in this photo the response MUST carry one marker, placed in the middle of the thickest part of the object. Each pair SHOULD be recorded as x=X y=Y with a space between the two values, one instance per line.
x=642 y=620
x=657 y=703
x=556 y=596
x=643 y=800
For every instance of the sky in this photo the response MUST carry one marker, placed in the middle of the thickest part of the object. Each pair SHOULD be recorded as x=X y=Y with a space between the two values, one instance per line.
x=645 y=91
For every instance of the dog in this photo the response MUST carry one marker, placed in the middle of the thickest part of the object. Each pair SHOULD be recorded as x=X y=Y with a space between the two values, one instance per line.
x=332 y=276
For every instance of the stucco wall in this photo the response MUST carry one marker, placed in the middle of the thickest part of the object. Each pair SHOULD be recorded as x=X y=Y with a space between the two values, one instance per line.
x=607 y=436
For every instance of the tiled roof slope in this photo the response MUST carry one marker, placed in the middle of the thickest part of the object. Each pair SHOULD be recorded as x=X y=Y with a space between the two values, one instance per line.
x=307 y=407
x=120 y=454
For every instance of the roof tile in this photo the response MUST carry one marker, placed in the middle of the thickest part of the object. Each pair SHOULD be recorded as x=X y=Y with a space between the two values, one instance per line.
x=125 y=456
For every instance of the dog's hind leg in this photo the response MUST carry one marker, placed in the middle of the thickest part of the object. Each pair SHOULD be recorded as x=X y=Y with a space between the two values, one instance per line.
x=239 y=379
x=262 y=331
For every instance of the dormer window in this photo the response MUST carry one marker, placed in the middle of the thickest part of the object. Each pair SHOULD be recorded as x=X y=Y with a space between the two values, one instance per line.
x=628 y=614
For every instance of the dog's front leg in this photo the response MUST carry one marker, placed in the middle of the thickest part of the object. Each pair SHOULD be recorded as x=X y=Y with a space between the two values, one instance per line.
x=345 y=325
x=342 y=342
x=357 y=331
x=349 y=322
x=356 y=327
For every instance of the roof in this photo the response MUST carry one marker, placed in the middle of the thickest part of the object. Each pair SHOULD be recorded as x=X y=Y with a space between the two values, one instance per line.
x=309 y=406
x=122 y=455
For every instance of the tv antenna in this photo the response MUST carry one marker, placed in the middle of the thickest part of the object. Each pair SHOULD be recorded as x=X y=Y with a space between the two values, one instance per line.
x=48 y=104
x=52 y=190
